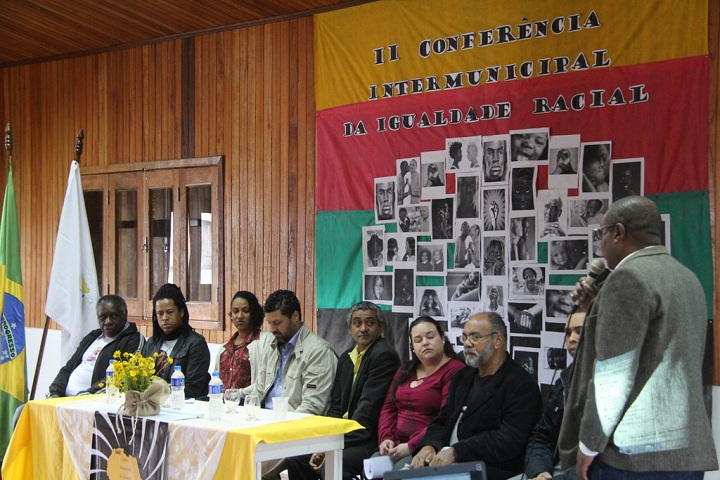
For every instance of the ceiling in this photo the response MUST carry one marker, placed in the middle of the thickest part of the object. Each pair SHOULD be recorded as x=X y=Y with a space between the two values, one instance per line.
x=40 y=30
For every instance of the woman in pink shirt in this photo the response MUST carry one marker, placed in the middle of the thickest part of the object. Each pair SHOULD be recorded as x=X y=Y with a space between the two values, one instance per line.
x=417 y=392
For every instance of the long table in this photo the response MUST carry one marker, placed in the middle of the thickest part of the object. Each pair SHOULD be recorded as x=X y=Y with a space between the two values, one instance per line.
x=53 y=440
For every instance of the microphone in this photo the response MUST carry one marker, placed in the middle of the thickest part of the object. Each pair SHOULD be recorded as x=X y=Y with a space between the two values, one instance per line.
x=597 y=268
x=597 y=275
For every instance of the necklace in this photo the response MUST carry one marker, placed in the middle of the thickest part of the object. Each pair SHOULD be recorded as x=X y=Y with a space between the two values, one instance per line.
x=419 y=380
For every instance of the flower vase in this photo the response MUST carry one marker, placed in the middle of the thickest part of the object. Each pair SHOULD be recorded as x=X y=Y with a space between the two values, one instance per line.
x=146 y=403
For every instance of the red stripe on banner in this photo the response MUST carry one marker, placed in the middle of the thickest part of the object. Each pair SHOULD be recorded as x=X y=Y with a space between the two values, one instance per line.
x=657 y=111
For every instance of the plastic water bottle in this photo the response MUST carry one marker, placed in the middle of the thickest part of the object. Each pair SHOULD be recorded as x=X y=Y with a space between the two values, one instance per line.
x=216 y=398
x=177 y=389
x=111 y=391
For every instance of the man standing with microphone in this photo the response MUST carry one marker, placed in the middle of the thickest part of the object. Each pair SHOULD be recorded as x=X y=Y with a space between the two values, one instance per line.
x=636 y=396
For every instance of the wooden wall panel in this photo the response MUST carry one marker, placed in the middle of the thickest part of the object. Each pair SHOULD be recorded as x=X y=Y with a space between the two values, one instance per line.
x=251 y=99
x=253 y=117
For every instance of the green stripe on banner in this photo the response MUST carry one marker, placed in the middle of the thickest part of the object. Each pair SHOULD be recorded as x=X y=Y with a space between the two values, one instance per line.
x=338 y=258
x=691 y=241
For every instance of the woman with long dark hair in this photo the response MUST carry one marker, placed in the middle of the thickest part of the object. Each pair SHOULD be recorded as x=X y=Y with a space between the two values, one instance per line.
x=418 y=391
x=233 y=361
x=174 y=337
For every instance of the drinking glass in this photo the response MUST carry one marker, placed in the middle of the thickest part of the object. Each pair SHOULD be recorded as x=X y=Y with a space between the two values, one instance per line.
x=252 y=406
x=232 y=399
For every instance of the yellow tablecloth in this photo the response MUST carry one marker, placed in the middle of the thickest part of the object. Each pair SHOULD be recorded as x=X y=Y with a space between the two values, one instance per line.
x=37 y=448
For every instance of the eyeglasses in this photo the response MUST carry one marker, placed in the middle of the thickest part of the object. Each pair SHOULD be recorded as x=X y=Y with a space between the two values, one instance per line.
x=597 y=232
x=475 y=337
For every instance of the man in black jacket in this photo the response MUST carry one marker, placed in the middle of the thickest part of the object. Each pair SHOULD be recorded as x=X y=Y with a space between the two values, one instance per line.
x=492 y=406
x=85 y=370
x=542 y=456
x=362 y=379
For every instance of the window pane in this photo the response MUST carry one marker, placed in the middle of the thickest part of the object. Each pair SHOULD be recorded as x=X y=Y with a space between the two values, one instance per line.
x=94 y=207
x=126 y=234
x=161 y=238
x=200 y=244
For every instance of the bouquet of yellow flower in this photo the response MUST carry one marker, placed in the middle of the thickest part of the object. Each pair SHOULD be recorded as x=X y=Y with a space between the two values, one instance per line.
x=133 y=371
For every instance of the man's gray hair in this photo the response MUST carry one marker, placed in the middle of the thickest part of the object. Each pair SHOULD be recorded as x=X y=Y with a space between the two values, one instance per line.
x=366 y=306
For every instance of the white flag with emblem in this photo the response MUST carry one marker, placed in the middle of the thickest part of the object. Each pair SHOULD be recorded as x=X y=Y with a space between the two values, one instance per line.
x=73 y=290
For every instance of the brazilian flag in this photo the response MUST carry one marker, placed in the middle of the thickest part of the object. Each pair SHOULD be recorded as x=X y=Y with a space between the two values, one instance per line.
x=13 y=378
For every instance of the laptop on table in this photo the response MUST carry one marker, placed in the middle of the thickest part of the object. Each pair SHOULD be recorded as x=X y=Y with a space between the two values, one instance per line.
x=456 y=471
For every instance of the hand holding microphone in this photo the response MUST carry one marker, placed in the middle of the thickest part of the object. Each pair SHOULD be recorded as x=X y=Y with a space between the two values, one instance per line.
x=586 y=290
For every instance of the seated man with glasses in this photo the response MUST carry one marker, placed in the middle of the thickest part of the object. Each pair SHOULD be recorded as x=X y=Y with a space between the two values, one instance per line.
x=492 y=406
x=363 y=376
x=85 y=370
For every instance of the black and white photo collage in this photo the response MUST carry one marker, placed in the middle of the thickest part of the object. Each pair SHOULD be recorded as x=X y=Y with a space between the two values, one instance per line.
x=482 y=242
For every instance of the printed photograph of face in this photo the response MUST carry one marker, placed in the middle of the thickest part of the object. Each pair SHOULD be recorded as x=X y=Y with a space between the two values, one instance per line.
x=529 y=146
x=568 y=254
x=473 y=153
x=442 y=218
x=467 y=198
x=404 y=287
x=378 y=288
x=455 y=154
x=626 y=179
x=522 y=187
x=494 y=256
x=463 y=287
x=554 y=219
x=385 y=199
x=494 y=161
x=596 y=167
x=585 y=212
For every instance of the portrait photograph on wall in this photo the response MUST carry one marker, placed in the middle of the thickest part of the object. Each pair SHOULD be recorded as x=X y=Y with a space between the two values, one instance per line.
x=586 y=211
x=495 y=159
x=522 y=189
x=472 y=153
x=528 y=146
x=595 y=166
x=467 y=199
x=463 y=286
x=564 y=158
x=627 y=177
x=441 y=216
x=552 y=213
x=378 y=288
x=523 y=239
x=408 y=181
x=374 y=248
x=430 y=303
x=432 y=175
x=404 y=298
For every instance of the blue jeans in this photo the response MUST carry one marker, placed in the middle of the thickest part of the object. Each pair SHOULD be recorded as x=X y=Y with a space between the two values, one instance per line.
x=602 y=471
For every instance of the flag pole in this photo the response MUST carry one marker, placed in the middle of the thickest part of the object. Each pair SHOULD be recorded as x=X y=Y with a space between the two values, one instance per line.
x=41 y=352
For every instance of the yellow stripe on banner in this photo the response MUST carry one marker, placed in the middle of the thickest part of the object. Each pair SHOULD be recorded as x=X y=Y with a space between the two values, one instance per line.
x=13 y=288
x=12 y=376
x=414 y=46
